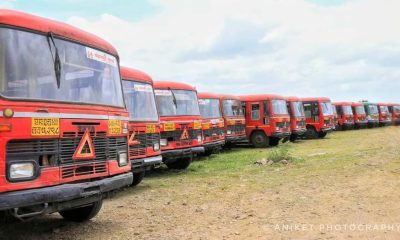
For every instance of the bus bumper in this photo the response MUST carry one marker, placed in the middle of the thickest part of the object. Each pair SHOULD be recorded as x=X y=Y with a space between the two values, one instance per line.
x=80 y=193
x=180 y=153
x=299 y=132
x=214 y=145
x=236 y=139
x=280 y=134
x=143 y=164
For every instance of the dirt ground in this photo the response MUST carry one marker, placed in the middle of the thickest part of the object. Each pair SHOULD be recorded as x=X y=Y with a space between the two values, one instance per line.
x=343 y=187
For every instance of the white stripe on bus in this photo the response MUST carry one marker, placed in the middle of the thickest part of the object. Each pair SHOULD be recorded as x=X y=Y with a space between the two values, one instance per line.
x=65 y=116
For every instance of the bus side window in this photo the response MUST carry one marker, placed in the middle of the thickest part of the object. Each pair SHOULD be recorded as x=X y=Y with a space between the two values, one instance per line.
x=339 y=111
x=255 y=111
x=307 y=109
x=244 y=109
x=289 y=109
x=266 y=112
x=314 y=109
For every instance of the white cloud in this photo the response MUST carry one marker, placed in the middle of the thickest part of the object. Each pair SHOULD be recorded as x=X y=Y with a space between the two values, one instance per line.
x=292 y=47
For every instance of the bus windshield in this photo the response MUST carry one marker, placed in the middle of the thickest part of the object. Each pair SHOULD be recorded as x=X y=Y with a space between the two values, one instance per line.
x=396 y=109
x=279 y=106
x=232 y=108
x=327 y=108
x=27 y=70
x=209 y=108
x=360 y=110
x=140 y=101
x=384 y=109
x=347 y=110
x=177 y=102
x=373 y=109
x=298 y=109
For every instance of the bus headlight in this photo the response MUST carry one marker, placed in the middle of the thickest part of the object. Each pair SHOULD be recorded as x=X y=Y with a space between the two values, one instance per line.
x=229 y=132
x=122 y=159
x=163 y=142
x=156 y=146
x=20 y=171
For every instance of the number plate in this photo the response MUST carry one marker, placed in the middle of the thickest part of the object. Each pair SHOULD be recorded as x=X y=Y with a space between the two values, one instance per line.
x=114 y=127
x=196 y=125
x=45 y=127
x=169 y=126
x=151 y=129
x=206 y=126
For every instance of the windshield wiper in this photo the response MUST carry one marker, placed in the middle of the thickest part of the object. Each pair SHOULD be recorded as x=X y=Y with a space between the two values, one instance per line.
x=56 y=58
x=174 y=98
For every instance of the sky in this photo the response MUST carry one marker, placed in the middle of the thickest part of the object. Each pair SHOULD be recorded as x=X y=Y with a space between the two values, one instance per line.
x=347 y=50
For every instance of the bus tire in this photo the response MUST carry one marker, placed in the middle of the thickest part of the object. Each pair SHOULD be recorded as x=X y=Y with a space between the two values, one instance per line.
x=311 y=133
x=293 y=137
x=180 y=164
x=274 y=141
x=137 y=178
x=82 y=214
x=207 y=152
x=259 y=139
x=322 y=134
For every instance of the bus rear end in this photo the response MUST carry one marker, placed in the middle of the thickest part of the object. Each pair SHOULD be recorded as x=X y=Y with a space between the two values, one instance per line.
x=63 y=123
x=181 y=130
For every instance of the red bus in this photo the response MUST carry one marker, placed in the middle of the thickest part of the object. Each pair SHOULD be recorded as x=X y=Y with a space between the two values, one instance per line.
x=385 y=118
x=360 y=116
x=345 y=120
x=394 y=109
x=319 y=116
x=63 y=122
x=267 y=119
x=144 y=126
x=335 y=118
x=212 y=122
x=234 y=121
x=297 y=117
x=181 y=130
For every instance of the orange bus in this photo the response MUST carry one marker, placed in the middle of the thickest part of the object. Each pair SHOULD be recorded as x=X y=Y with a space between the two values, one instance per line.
x=144 y=125
x=212 y=122
x=63 y=122
x=181 y=130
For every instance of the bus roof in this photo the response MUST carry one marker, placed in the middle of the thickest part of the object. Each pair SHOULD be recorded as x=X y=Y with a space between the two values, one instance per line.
x=135 y=75
x=292 y=99
x=173 y=85
x=260 y=97
x=228 y=97
x=342 y=103
x=383 y=104
x=354 y=104
x=31 y=22
x=313 y=99
x=206 y=95
x=394 y=104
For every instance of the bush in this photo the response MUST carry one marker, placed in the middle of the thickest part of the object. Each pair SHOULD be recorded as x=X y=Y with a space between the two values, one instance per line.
x=280 y=153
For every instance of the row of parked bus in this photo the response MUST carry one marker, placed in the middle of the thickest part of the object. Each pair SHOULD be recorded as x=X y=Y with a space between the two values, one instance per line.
x=75 y=126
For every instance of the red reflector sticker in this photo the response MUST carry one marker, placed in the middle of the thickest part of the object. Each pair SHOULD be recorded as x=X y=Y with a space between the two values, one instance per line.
x=85 y=149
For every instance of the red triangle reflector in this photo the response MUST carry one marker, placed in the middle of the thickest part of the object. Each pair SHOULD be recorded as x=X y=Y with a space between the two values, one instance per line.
x=85 y=149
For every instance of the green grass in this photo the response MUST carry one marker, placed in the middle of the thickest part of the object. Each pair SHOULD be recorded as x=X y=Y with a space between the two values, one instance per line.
x=338 y=152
